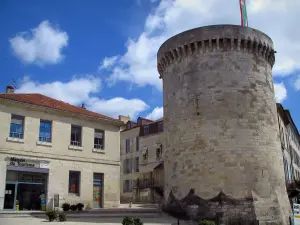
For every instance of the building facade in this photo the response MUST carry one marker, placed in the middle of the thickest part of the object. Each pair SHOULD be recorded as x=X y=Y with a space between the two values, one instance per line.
x=142 y=174
x=56 y=151
x=290 y=145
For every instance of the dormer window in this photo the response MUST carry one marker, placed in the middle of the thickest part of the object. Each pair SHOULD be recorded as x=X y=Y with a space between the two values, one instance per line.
x=128 y=125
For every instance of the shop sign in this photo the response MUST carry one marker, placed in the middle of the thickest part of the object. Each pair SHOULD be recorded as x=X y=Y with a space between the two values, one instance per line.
x=14 y=161
x=296 y=211
x=21 y=162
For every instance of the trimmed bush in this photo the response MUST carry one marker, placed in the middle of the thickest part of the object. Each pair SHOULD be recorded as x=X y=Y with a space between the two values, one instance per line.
x=127 y=221
x=62 y=217
x=137 y=221
x=80 y=206
x=207 y=222
x=73 y=207
x=66 y=207
x=52 y=215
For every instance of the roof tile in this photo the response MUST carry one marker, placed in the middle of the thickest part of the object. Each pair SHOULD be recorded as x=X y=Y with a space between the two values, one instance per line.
x=44 y=101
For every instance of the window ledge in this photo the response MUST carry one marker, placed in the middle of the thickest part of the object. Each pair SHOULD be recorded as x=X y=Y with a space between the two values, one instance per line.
x=12 y=139
x=73 y=194
x=43 y=143
x=74 y=147
x=98 y=150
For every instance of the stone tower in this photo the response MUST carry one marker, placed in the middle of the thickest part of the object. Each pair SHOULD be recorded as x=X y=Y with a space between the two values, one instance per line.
x=220 y=123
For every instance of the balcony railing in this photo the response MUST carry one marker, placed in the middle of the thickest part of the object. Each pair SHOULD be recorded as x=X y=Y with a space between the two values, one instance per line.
x=16 y=135
x=76 y=143
x=98 y=146
x=45 y=139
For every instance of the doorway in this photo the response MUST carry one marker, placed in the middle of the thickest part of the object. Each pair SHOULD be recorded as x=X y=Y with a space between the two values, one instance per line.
x=98 y=190
x=25 y=190
x=10 y=196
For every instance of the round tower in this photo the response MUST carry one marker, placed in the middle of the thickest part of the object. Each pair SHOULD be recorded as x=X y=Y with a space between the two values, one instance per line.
x=220 y=118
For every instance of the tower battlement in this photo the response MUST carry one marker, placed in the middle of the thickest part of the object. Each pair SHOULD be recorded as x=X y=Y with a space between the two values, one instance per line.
x=216 y=38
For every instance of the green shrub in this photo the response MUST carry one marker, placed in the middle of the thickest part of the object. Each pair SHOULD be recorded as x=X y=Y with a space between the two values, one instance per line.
x=66 y=206
x=127 y=221
x=137 y=221
x=80 y=206
x=62 y=217
x=52 y=215
x=207 y=222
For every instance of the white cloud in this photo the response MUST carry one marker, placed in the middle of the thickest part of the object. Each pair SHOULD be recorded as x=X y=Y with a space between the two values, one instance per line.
x=82 y=90
x=297 y=83
x=75 y=92
x=108 y=62
x=277 y=18
x=280 y=92
x=118 y=106
x=43 y=45
x=156 y=114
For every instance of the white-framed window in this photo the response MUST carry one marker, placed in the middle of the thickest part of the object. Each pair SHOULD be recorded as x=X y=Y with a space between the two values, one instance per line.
x=45 y=131
x=76 y=135
x=99 y=139
x=16 y=127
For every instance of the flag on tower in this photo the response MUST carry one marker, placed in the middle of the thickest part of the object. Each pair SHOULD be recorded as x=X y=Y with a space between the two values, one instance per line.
x=244 y=18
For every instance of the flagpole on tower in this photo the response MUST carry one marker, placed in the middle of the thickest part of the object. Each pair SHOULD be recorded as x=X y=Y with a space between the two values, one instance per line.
x=243 y=10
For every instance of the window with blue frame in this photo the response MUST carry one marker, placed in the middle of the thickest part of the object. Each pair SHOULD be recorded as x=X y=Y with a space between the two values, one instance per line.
x=45 y=131
x=17 y=126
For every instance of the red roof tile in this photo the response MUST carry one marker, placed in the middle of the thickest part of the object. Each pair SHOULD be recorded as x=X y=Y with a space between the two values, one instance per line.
x=44 y=101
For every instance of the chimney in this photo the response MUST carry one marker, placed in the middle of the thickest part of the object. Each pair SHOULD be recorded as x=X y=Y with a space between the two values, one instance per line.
x=125 y=119
x=10 y=89
x=83 y=106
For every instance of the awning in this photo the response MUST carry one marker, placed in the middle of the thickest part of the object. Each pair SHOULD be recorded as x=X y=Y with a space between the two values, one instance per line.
x=148 y=167
x=28 y=169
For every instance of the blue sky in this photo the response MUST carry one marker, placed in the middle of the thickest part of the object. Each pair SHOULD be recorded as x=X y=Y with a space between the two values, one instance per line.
x=103 y=53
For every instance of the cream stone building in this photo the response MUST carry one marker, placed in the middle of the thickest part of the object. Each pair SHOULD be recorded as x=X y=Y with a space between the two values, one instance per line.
x=66 y=152
x=139 y=144
x=290 y=145
x=142 y=161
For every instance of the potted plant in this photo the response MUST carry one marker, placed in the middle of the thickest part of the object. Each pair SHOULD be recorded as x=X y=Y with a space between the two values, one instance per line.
x=73 y=207
x=52 y=215
x=62 y=217
x=80 y=206
x=127 y=221
x=207 y=222
x=66 y=207
x=137 y=221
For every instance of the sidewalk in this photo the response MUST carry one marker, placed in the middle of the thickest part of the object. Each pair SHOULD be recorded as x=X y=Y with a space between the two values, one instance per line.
x=145 y=210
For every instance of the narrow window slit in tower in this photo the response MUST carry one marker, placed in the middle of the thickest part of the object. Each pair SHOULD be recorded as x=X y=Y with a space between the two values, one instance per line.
x=193 y=48
x=214 y=44
x=249 y=45
x=242 y=44
x=206 y=45
x=185 y=49
x=221 y=44
x=235 y=42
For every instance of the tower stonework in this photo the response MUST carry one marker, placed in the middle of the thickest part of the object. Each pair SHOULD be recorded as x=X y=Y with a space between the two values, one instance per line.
x=220 y=123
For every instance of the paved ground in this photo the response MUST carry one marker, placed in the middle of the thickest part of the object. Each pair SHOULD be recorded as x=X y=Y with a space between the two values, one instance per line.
x=160 y=220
